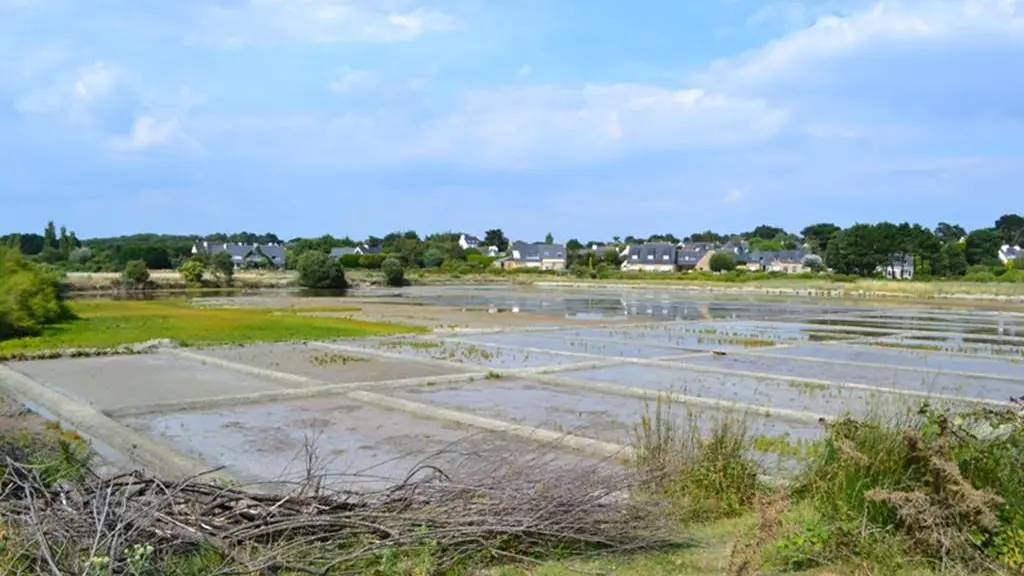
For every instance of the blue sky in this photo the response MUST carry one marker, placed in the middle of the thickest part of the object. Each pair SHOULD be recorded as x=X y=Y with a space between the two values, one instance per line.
x=586 y=118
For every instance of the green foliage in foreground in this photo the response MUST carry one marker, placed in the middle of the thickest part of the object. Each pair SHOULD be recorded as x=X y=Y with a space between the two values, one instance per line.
x=110 y=323
x=30 y=297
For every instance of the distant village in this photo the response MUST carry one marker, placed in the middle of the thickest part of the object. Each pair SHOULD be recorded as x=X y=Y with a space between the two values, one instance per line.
x=653 y=257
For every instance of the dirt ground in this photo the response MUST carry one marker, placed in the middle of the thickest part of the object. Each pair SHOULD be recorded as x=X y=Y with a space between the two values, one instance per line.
x=15 y=417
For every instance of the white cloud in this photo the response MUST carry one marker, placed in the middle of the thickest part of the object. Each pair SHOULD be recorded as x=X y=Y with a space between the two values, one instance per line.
x=354 y=80
x=525 y=70
x=147 y=132
x=832 y=36
x=535 y=125
x=86 y=87
x=318 y=22
x=732 y=196
x=94 y=82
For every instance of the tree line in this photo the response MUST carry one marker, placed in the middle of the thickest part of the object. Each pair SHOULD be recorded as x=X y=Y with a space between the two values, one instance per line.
x=947 y=250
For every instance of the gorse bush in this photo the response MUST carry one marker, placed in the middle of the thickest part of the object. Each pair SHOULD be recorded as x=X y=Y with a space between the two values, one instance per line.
x=31 y=296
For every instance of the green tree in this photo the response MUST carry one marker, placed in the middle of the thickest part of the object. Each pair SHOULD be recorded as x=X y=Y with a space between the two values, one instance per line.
x=394 y=272
x=722 y=262
x=860 y=249
x=135 y=273
x=949 y=233
x=222 y=267
x=814 y=262
x=30 y=296
x=64 y=242
x=320 y=271
x=549 y=239
x=982 y=246
x=192 y=271
x=433 y=258
x=765 y=232
x=951 y=261
x=497 y=239
x=1010 y=226
x=50 y=236
x=816 y=236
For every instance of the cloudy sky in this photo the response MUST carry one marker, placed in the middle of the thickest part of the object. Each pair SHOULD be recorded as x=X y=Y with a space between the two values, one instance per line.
x=587 y=118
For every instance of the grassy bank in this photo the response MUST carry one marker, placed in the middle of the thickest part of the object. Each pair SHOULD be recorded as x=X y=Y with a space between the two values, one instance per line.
x=106 y=324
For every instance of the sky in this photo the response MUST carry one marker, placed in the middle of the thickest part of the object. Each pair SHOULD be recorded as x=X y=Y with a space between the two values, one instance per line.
x=583 y=118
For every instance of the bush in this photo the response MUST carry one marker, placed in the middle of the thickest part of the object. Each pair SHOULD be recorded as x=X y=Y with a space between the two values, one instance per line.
x=371 y=261
x=350 y=261
x=940 y=487
x=394 y=272
x=222 y=266
x=192 y=271
x=722 y=262
x=320 y=271
x=30 y=297
x=135 y=273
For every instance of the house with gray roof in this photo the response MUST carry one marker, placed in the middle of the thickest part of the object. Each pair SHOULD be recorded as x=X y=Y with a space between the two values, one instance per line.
x=359 y=250
x=650 y=257
x=1009 y=253
x=245 y=255
x=542 y=256
x=788 y=261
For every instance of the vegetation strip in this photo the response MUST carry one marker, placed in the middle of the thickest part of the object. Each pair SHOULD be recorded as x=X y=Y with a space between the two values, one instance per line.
x=110 y=324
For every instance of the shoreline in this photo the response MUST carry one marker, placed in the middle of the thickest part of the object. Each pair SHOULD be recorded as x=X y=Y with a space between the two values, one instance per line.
x=169 y=282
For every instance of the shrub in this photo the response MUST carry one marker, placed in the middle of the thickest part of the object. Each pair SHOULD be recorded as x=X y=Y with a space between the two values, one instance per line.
x=350 y=261
x=371 y=261
x=320 y=271
x=30 y=296
x=222 y=266
x=939 y=487
x=394 y=272
x=135 y=273
x=722 y=262
x=192 y=271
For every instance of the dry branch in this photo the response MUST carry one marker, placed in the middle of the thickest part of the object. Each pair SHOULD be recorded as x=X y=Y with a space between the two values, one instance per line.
x=516 y=510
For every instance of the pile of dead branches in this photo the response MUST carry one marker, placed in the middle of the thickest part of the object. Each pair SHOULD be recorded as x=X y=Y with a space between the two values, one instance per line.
x=518 y=514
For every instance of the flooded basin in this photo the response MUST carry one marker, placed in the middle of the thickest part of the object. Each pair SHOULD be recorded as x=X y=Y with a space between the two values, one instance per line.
x=114 y=382
x=811 y=399
x=357 y=446
x=928 y=360
x=933 y=382
x=555 y=342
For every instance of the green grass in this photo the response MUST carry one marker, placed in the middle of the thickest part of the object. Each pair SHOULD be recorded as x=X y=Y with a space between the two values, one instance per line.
x=110 y=323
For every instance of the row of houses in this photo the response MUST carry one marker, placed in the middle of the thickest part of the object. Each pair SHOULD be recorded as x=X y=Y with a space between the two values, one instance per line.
x=666 y=257
x=647 y=257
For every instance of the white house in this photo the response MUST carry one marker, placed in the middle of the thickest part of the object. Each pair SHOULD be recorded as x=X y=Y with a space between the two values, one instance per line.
x=1009 y=253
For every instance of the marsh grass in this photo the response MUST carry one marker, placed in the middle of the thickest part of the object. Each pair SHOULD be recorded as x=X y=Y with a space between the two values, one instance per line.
x=705 y=471
x=110 y=323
